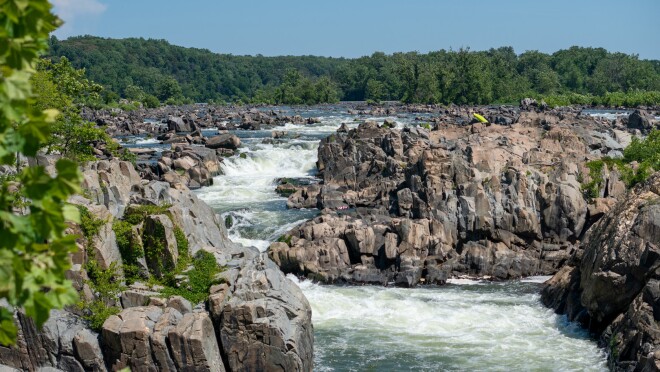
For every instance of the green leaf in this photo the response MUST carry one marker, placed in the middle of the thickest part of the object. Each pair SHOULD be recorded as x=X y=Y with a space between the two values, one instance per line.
x=71 y=213
x=8 y=330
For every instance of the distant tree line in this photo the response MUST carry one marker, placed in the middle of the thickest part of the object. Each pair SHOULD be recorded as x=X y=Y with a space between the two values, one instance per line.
x=155 y=71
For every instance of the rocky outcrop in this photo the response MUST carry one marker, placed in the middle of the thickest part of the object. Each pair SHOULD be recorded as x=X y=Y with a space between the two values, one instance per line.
x=611 y=284
x=64 y=342
x=409 y=206
x=257 y=318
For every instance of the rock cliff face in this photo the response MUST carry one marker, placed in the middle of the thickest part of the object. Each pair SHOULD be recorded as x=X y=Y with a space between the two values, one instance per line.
x=612 y=283
x=254 y=319
x=502 y=200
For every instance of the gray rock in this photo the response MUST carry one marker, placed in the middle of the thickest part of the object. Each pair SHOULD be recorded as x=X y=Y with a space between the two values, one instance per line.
x=179 y=303
x=266 y=325
x=88 y=351
x=194 y=345
x=225 y=141
x=612 y=285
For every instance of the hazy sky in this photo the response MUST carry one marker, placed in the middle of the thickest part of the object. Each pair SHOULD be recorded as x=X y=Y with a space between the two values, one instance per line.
x=360 y=27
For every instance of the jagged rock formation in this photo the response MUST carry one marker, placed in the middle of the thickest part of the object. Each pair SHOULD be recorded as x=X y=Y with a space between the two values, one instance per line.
x=502 y=200
x=255 y=318
x=611 y=285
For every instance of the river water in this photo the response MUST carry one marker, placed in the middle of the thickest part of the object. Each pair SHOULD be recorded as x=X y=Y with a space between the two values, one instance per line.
x=463 y=326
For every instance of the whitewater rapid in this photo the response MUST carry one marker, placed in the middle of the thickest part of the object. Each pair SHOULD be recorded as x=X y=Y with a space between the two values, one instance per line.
x=464 y=326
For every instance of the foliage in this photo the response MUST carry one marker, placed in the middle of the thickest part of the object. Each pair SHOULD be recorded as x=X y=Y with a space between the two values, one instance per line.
x=463 y=76
x=640 y=159
x=137 y=213
x=97 y=312
x=34 y=251
x=89 y=224
x=106 y=285
x=130 y=248
x=285 y=239
x=646 y=153
x=634 y=98
x=201 y=277
x=60 y=86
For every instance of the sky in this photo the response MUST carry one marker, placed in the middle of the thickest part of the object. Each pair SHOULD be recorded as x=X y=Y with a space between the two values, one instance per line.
x=354 y=28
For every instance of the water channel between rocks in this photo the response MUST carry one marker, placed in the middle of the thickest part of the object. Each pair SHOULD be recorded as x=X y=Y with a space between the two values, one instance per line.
x=461 y=326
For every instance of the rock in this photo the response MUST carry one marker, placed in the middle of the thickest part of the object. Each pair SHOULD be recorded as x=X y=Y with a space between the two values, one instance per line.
x=88 y=351
x=136 y=297
x=62 y=343
x=226 y=141
x=194 y=345
x=160 y=246
x=184 y=163
x=126 y=338
x=504 y=202
x=180 y=303
x=611 y=285
x=104 y=243
x=267 y=304
x=640 y=120
x=179 y=124
x=112 y=184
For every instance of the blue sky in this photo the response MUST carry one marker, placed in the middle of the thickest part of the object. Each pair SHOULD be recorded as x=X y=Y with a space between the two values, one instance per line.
x=353 y=28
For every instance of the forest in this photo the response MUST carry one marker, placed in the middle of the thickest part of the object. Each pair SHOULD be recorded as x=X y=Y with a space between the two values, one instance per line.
x=155 y=71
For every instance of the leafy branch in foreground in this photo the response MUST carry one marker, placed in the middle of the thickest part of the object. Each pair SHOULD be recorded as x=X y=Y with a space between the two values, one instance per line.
x=34 y=251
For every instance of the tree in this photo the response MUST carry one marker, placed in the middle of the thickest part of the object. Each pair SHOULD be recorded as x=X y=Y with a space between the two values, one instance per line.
x=60 y=86
x=169 y=89
x=34 y=252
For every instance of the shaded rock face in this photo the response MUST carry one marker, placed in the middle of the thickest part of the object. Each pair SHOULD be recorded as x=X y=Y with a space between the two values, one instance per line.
x=499 y=201
x=64 y=343
x=612 y=285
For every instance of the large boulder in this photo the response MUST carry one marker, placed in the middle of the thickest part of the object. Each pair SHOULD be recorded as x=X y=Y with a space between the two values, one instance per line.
x=224 y=141
x=180 y=124
x=640 y=120
x=266 y=324
x=194 y=345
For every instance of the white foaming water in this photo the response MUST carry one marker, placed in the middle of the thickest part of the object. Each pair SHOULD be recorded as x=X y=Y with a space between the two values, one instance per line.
x=147 y=141
x=497 y=327
x=252 y=179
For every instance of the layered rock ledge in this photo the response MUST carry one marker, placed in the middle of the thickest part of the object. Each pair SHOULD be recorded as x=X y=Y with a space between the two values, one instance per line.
x=413 y=205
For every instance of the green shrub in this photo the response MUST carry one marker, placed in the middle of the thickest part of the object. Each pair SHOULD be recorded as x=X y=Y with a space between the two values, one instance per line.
x=201 y=277
x=285 y=239
x=646 y=153
x=137 y=213
x=97 y=312
x=182 y=246
x=89 y=224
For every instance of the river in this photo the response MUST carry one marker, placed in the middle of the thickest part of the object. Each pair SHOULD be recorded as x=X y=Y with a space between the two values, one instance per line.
x=464 y=325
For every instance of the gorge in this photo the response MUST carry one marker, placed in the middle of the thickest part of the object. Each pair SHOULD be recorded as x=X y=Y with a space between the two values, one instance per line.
x=405 y=196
